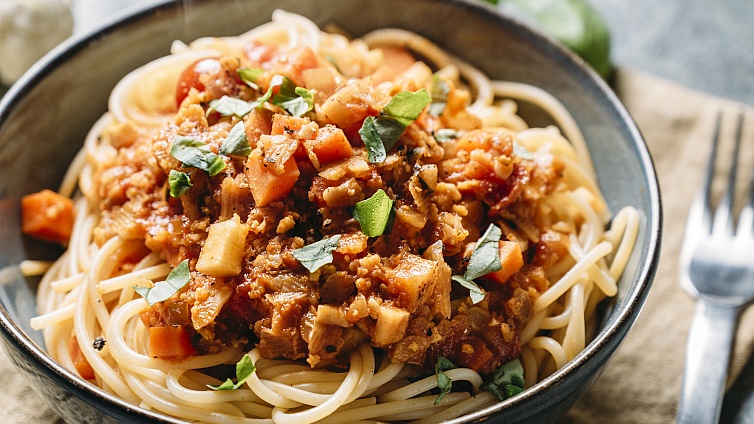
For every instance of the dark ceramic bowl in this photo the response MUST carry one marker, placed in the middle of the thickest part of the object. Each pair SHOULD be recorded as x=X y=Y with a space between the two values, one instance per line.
x=45 y=116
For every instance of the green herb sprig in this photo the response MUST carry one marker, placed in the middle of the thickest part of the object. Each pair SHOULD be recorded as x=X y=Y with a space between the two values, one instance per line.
x=164 y=290
x=374 y=214
x=316 y=255
x=244 y=369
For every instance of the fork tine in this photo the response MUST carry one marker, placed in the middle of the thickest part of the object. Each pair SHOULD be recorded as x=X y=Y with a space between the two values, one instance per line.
x=746 y=218
x=723 y=220
x=700 y=213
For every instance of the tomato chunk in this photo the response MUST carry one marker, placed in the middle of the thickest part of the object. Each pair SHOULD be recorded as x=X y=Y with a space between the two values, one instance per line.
x=190 y=77
x=170 y=343
x=48 y=216
x=83 y=367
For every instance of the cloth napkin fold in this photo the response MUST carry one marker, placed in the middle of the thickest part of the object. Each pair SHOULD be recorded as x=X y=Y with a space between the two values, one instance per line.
x=642 y=382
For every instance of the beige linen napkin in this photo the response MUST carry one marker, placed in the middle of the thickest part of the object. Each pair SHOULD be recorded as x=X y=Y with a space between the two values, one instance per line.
x=642 y=382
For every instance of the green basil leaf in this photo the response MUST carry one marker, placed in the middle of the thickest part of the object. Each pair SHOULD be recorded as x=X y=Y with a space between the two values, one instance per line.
x=179 y=183
x=197 y=154
x=295 y=100
x=575 y=23
x=486 y=255
x=318 y=254
x=439 y=93
x=444 y=383
x=446 y=134
x=237 y=143
x=506 y=381
x=244 y=369
x=475 y=292
x=164 y=290
x=373 y=214
x=379 y=136
x=250 y=76
x=406 y=106
x=227 y=106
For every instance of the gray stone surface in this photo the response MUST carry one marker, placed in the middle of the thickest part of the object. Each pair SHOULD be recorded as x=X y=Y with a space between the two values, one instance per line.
x=707 y=45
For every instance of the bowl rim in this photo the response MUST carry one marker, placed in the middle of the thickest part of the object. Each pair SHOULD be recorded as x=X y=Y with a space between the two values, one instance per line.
x=625 y=317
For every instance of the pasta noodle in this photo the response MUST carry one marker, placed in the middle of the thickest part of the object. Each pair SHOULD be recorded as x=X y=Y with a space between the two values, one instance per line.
x=91 y=300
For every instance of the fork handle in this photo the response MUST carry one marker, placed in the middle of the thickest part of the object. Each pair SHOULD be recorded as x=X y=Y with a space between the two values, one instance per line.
x=707 y=359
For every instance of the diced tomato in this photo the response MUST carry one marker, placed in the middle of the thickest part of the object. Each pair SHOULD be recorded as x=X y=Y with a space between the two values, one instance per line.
x=190 y=77
x=331 y=145
x=267 y=186
x=511 y=260
x=170 y=343
x=83 y=367
x=48 y=216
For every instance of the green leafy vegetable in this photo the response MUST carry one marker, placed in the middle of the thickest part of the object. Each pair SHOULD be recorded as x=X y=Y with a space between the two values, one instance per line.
x=179 y=183
x=298 y=104
x=439 y=92
x=486 y=255
x=197 y=154
x=573 y=22
x=506 y=381
x=227 y=106
x=380 y=134
x=475 y=292
x=446 y=134
x=237 y=143
x=250 y=76
x=163 y=290
x=244 y=369
x=444 y=383
x=373 y=214
x=318 y=254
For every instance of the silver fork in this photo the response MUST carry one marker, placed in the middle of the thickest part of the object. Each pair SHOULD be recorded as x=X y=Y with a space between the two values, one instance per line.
x=717 y=268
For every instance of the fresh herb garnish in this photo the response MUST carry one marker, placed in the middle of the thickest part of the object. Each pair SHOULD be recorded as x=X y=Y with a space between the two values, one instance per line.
x=244 y=369
x=237 y=143
x=381 y=133
x=227 y=106
x=318 y=254
x=373 y=214
x=295 y=100
x=439 y=92
x=179 y=183
x=197 y=154
x=163 y=290
x=446 y=134
x=250 y=76
x=444 y=383
x=486 y=255
x=506 y=381
x=475 y=292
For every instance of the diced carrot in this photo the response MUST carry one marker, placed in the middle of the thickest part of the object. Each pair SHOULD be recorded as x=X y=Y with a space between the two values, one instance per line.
x=170 y=343
x=331 y=145
x=83 y=367
x=282 y=124
x=511 y=260
x=267 y=186
x=48 y=216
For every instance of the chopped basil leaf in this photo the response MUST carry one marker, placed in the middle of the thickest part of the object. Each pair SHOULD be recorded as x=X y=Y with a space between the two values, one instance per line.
x=439 y=93
x=379 y=136
x=163 y=290
x=237 y=143
x=250 y=76
x=446 y=134
x=179 y=183
x=444 y=383
x=475 y=292
x=228 y=106
x=197 y=154
x=244 y=369
x=406 y=106
x=522 y=151
x=486 y=255
x=506 y=381
x=374 y=214
x=301 y=103
x=318 y=254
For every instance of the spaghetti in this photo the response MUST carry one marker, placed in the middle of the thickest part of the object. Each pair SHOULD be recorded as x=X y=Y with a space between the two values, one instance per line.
x=350 y=338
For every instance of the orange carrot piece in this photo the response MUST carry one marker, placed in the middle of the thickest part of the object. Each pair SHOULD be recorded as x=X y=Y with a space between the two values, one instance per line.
x=511 y=260
x=267 y=186
x=83 y=367
x=331 y=145
x=48 y=216
x=170 y=343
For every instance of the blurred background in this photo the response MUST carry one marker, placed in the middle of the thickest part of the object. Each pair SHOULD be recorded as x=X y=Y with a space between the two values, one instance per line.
x=703 y=44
